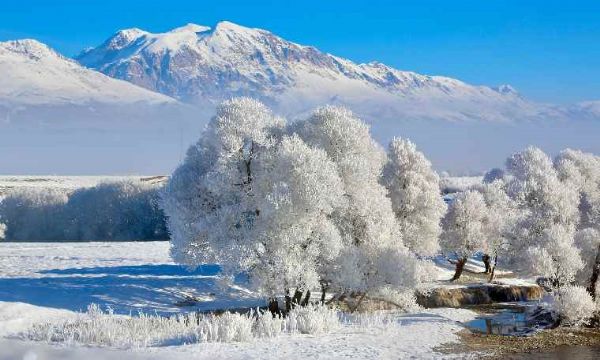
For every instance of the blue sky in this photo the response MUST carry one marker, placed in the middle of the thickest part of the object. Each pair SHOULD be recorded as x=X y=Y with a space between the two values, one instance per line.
x=548 y=50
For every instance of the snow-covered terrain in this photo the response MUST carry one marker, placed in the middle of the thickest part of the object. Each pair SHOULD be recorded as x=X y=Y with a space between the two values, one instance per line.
x=39 y=84
x=49 y=282
x=60 y=117
x=200 y=63
x=67 y=183
x=54 y=114
x=34 y=74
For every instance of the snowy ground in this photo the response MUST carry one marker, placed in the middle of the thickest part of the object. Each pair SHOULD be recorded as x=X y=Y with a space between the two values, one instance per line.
x=48 y=282
x=68 y=183
x=7 y=182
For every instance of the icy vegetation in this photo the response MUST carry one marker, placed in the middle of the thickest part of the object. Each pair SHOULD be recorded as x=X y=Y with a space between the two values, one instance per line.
x=574 y=305
x=100 y=328
x=294 y=206
x=318 y=204
x=454 y=184
x=414 y=189
x=124 y=210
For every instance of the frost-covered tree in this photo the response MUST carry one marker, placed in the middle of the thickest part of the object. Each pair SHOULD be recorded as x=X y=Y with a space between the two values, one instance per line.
x=588 y=242
x=2 y=231
x=555 y=256
x=293 y=207
x=34 y=214
x=493 y=175
x=582 y=171
x=543 y=237
x=373 y=254
x=414 y=189
x=502 y=216
x=296 y=236
x=464 y=228
x=255 y=200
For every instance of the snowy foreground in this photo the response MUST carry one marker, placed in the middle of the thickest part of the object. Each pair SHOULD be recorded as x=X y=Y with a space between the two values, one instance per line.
x=42 y=283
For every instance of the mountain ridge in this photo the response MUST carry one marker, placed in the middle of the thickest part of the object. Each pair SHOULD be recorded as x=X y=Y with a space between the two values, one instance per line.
x=61 y=116
x=200 y=64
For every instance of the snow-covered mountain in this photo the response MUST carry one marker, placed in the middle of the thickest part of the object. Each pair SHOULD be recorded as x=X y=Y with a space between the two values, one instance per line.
x=62 y=117
x=197 y=63
x=34 y=74
x=58 y=116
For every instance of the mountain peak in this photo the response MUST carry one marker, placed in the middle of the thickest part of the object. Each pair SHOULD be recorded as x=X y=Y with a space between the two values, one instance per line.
x=224 y=24
x=191 y=27
x=123 y=38
x=28 y=47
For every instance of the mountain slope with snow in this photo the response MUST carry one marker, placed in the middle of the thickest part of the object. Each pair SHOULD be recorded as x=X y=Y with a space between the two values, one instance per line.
x=198 y=64
x=57 y=116
x=34 y=74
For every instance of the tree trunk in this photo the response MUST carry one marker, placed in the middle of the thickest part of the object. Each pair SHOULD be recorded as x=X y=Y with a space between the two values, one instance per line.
x=486 y=261
x=360 y=300
x=288 y=301
x=595 y=273
x=459 y=268
x=323 y=290
x=297 y=299
x=493 y=269
x=306 y=298
x=274 y=307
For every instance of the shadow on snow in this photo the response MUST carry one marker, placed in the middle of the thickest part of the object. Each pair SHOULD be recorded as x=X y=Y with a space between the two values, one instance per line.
x=129 y=289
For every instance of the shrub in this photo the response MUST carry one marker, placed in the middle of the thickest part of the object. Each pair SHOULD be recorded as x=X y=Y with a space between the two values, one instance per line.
x=573 y=305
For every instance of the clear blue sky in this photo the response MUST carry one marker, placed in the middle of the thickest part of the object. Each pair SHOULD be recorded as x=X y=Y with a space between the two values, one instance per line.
x=549 y=50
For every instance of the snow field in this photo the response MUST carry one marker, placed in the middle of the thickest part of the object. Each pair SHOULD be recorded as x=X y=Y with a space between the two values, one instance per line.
x=135 y=276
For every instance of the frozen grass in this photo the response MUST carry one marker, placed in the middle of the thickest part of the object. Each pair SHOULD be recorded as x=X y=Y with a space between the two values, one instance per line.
x=96 y=327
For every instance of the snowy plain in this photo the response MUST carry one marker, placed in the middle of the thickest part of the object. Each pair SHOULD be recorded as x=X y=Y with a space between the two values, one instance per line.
x=52 y=282
x=67 y=183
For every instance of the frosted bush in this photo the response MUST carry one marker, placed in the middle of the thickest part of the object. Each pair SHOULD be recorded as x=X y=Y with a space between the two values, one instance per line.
x=228 y=327
x=381 y=320
x=311 y=320
x=574 y=305
x=405 y=300
x=123 y=210
x=96 y=327
x=34 y=214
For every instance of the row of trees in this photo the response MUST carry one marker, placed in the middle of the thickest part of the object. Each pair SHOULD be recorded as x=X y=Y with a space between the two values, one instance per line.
x=123 y=210
x=536 y=216
x=318 y=203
